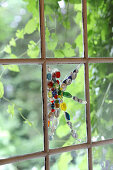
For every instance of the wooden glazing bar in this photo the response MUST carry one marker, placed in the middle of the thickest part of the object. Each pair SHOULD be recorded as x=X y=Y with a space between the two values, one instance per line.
x=22 y=157
x=47 y=166
x=100 y=60
x=88 y=122
x=54 y=151
x=45 y=116
x=56 y=60
x=69 y=148
x=103 y=142
x=42 y=29
x=84 y=20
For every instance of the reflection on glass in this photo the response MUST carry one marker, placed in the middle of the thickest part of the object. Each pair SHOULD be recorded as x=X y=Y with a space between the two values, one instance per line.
x=20 y=110
x=101 y=101
x=100 y=28
x=69 y=161
x=103 y=157
x=19 y=29
x=62 y=135
x=34 y=164
x=63 y=20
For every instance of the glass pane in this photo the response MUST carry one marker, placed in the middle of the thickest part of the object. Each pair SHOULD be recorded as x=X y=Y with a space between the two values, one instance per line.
x=63 y=20
x=65 y=122
x=34 y=164
x=103 y=157
x=100 y=28
x=19 y=29
x=101 y=100
x=69 y=161
x=20 y=110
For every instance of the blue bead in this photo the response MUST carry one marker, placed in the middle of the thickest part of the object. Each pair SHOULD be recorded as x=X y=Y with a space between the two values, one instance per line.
x=49 y=76
x=64 y=81
x=54 y=93
x=70 y=77
x=67 y=116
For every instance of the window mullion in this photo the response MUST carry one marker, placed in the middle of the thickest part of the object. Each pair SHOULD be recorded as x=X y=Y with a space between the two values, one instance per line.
x=44 y=83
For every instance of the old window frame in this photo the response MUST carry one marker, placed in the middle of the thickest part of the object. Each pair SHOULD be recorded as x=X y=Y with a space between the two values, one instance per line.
x=44 y=61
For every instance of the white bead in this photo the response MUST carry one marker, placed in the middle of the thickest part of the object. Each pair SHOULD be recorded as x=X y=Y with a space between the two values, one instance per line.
x=68 y=81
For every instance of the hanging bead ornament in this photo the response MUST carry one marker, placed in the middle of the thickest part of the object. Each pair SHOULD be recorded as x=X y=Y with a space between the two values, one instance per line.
x=56 y=92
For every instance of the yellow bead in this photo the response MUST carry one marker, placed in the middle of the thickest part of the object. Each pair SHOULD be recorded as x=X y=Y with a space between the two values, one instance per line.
x=61 y=88
x=63 y=106
x=49 y=94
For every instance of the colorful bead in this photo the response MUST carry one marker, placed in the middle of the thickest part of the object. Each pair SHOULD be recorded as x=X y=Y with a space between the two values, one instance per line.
x=54 y=93
x=52 y=110
x=48 y=123
x=49 y=76
x=51 y=116
x=50 y=84
x=63 y=106
x=67 y=116
x=53 y=75
x=57 y=113
x=67 y=94
x=68 y=81
x=57 y=105
x=57 y=81
x=70 y=77
x=57 y=74
x=49 y=94
x=56 y=96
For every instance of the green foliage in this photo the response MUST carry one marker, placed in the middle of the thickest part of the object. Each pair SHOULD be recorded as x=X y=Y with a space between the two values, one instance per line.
x=20 y=34
x=14 y=68
x=31 y=26
x=12 y=42
x=68 y=51
x=11 y=109
x=64 y=160
x=8 y=49
x=33 y=49
x=1 y=89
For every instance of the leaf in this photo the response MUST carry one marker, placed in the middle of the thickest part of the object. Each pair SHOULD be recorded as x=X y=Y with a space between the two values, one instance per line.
x=11 y=109
x=14 y=68
x=52 y=43
x=58 y=54
x=62 y=130
x=1 y=89
x=28 y=122
x=68 y=51
x=64 y=160
x=8 y=49
x=79 y=43
x=12 y=42
x=20 y=34
x=13 y=56
x=47 y=34
x=30 y=26
x=33 y=49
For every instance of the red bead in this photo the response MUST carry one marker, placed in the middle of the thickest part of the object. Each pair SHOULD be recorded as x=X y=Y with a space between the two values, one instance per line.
x=53 y=75
x=56 y=96
x=52 y=89
x=58 y=74
x=50 y=84
x=58 y=81
x=52 y=101
x=53 y=110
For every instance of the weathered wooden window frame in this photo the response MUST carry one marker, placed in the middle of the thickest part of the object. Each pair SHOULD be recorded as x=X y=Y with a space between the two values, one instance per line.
x=44 y=61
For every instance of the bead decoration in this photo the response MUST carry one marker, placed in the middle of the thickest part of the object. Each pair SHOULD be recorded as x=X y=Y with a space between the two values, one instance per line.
x=56 y=92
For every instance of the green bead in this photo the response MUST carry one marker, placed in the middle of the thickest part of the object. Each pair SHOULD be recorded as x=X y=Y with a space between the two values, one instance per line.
x=67 y=94
x=56 y=101
x=59 y=92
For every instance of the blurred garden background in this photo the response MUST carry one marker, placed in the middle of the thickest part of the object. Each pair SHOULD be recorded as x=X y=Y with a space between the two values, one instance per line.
x=21 y=123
